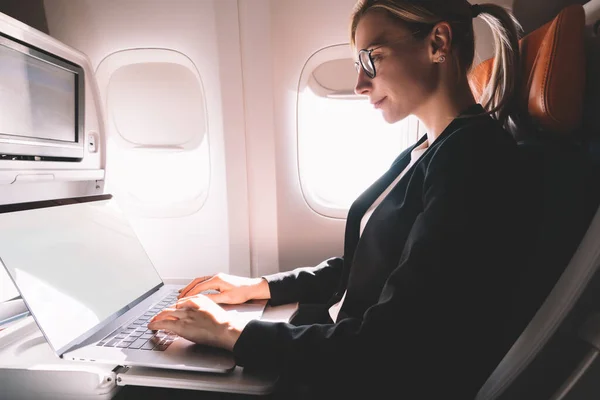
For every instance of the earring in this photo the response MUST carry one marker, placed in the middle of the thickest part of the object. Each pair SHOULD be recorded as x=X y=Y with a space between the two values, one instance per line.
x=442 y=59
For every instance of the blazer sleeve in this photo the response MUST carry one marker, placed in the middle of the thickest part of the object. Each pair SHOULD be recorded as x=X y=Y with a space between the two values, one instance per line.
x=445 y=289
x=306 y=284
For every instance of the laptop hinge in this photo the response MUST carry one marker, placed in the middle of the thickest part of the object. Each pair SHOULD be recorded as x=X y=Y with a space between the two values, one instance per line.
x=119 y=370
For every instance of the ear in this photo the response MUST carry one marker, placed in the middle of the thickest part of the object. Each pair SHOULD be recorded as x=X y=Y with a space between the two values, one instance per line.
x=441 y=41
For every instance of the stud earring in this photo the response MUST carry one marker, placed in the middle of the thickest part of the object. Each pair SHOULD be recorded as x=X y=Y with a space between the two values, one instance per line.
x=442 y=59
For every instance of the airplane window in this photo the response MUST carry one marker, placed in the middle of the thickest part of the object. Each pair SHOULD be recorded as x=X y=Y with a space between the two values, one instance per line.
x=157 y=104
x=158 y=158
x=344 y=144
x=158 y=183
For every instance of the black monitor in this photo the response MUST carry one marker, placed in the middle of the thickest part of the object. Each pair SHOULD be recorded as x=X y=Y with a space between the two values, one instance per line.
x=42 y=104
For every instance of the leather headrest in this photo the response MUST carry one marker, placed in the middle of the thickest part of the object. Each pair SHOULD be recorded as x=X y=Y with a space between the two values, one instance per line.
x=553 y=65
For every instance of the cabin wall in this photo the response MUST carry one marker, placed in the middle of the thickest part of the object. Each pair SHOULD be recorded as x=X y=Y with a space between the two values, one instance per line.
x=259 y=115
x=298 y=30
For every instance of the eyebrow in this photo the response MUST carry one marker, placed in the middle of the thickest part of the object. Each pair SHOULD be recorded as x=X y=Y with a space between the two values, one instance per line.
x=378 y=41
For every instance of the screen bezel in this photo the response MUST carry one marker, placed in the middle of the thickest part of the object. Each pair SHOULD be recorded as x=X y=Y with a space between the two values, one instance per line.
x=13 y=145
x=9 y=208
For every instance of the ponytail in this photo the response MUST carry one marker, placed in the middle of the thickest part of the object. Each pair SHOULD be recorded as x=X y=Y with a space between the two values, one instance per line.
x=500 y=96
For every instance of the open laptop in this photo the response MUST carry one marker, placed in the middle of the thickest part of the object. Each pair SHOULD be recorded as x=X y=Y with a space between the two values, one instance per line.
x=91 y=287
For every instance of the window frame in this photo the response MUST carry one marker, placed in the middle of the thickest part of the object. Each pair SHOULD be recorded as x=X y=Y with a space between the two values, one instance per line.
x=104 y=72
x=330 y=53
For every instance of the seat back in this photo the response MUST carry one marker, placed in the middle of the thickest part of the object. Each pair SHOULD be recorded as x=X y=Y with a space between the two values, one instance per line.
x=551 y=93
x=556 y=175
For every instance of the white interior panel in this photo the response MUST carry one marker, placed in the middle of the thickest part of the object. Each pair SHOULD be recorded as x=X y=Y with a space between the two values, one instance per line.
x=215 y=237
x=7 y=289
x=334 y=76
x=257 y=68
x=157 y=104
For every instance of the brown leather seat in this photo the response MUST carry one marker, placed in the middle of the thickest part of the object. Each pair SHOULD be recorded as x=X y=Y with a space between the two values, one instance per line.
x=553 y=74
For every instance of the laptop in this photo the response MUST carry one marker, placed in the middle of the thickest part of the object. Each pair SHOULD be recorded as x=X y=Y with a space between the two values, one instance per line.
x=91 y=288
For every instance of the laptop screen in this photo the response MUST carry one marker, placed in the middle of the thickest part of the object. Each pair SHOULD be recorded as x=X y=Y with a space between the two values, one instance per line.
x=76 y=262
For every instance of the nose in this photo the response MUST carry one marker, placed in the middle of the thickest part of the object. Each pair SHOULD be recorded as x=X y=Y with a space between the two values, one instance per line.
x=363 y=83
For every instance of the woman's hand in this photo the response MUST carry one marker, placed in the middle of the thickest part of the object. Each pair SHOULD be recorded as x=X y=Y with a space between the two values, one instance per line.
x=200 y=320
x=231 y=289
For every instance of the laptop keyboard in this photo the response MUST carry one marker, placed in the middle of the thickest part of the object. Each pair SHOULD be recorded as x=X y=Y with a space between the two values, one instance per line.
x=137 y=336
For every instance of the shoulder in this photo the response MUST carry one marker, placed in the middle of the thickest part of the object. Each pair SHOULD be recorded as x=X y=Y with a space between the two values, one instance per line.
x=479 y=138
x=479 y=150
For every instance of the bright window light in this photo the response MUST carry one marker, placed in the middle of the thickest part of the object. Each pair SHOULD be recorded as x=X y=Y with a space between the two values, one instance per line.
x=159 y=183
x=344 y=145
x=158 y=158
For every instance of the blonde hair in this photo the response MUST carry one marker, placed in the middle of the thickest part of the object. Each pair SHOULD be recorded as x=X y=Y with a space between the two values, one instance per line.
x=499 y=98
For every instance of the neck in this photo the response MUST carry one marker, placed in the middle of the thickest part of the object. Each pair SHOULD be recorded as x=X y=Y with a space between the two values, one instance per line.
x=443 y=107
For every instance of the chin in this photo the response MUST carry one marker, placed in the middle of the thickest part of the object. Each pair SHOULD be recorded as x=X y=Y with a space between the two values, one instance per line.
x=392 y=118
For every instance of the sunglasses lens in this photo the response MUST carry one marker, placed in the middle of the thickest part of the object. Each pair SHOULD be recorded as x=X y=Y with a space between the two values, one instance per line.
x=366 y=63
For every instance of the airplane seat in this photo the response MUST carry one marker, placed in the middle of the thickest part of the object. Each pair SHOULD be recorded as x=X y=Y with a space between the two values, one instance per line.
x=591 y=116
x=558 y=177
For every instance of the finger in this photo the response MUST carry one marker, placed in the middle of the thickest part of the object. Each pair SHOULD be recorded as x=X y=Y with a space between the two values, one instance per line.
x=220 y=298
x=162 y=313
x=187 y=302
x=209 y=284
x=168 y=313
x=172 y=325
x=192 y=290
x=194 y=283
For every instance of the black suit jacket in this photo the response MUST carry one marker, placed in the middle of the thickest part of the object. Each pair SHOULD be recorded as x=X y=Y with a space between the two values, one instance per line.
x=428 y=281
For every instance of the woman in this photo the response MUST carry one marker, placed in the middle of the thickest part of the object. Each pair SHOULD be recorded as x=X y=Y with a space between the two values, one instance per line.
x=419 y=302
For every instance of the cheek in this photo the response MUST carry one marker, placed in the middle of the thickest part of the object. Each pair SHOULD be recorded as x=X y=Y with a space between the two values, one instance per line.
x=414 y=82
x=408 y=87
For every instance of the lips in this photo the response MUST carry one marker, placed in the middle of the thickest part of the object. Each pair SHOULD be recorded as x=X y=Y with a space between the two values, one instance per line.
x=378 y=103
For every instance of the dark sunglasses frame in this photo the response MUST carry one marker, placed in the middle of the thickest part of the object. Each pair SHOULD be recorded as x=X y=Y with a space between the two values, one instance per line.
x=360 y=63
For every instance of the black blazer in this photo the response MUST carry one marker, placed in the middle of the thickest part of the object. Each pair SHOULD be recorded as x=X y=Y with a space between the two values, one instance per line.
x=428 y=281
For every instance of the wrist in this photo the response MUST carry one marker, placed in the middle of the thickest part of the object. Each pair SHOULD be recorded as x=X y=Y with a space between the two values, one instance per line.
x=260 y=289
x=232 y=334
x=264 y=289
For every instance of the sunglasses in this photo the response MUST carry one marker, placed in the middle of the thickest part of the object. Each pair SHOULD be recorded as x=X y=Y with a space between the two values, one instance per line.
x=365 y=61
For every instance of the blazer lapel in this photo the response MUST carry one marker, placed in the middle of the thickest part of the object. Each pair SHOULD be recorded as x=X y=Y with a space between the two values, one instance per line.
x=359 y=208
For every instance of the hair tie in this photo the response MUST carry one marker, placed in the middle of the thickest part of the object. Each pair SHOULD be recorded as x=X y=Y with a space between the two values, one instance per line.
x=475 y=10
